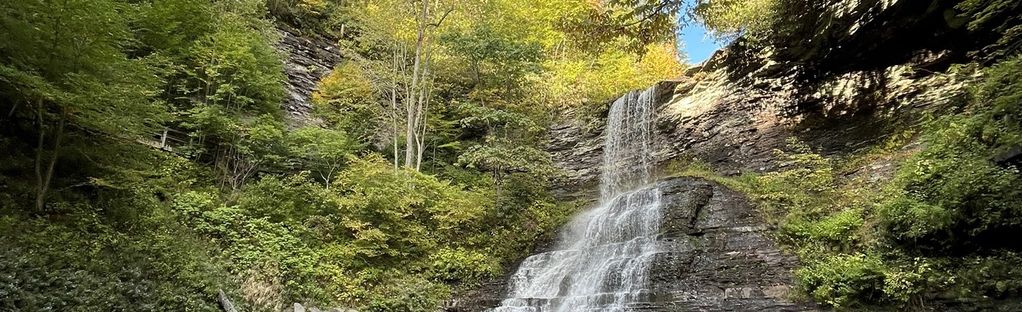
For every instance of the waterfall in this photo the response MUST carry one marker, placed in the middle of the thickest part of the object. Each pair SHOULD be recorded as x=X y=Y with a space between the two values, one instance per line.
x=602 y=259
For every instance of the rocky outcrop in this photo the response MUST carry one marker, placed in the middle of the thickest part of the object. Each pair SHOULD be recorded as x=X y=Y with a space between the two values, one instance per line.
x=736 y=127
x=308 y=57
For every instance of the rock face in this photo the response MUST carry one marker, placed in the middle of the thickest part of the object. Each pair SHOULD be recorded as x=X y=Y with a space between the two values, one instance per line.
x=308 y=58
x=736 y=125
x=717 y=255
x=484 y=297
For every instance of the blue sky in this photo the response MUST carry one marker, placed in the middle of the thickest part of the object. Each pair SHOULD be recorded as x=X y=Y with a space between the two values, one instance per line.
x=697 y=44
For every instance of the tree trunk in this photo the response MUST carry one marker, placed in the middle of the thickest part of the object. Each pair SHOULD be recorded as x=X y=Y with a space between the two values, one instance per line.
x=45 y=181
x=410 y=136
x=393 y=107
x=39 y=154
x=422 y=106
x=411 y=109
x=424 y=111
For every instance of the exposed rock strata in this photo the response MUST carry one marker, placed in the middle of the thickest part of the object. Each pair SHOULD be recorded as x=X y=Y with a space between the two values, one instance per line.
x=307 y=59
x=736 y=125
x=717 y=254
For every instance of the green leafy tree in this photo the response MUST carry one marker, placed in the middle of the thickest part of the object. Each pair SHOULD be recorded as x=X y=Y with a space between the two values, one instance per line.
x=495 y=61
x=502 y=157
x=321 y=150
x=347 y=100
x=732 y=18
x=64 y=66
x=227 y=87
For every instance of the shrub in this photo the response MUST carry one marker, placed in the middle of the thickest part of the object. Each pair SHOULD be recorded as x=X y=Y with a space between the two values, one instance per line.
x=453 y=265
x=407 y=293
x=89 y=266
x=843 y=280
x=952 y=197
x=936 y=230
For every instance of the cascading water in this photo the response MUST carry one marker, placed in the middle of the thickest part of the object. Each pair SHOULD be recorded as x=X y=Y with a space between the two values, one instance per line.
x=602 y=259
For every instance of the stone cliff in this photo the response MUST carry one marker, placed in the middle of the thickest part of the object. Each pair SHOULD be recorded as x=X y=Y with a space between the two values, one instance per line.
x=736 y=125
x=718 y=255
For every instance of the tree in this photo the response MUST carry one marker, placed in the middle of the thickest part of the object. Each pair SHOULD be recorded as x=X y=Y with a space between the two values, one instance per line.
x=640 y=22
x=497 y=62
x=732 y=18
x=412 y=43
x=227 y=87
x=501 y=157
x=348 y=101
x=324 y=151
x=64 y=65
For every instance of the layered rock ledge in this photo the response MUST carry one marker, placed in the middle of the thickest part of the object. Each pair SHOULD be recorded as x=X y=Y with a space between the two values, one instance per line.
x=717 y=254
x=308 y=57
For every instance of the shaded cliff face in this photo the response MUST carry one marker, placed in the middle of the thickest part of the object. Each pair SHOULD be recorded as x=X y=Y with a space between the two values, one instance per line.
x=735 y=126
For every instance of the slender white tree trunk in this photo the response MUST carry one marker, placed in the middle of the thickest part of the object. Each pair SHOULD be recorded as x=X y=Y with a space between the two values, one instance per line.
x=393 y=107
x=411 y=108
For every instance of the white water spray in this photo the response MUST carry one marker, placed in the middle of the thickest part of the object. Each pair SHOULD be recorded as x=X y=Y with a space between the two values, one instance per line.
x=602 y=260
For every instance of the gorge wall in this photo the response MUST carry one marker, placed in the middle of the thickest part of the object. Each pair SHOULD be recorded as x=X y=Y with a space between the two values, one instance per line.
x=736 y=125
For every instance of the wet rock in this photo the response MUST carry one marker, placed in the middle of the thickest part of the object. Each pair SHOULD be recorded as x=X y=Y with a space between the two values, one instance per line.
x=486 y=296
